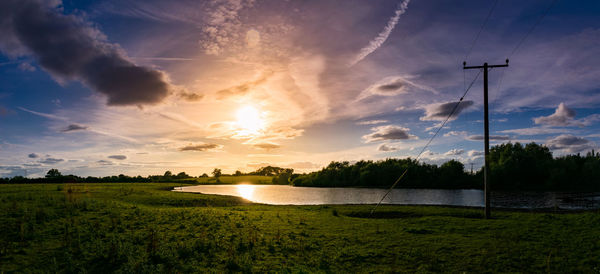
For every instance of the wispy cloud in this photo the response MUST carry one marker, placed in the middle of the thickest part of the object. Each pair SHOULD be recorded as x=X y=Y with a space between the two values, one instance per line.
x=45 y=115
x=382 y=36
x=201 y=147
x=372 y=122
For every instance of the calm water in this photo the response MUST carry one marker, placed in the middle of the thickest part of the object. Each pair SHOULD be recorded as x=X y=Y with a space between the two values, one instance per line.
x=288 y=195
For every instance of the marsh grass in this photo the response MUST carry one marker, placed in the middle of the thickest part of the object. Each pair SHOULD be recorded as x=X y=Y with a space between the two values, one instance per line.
x=101 y=228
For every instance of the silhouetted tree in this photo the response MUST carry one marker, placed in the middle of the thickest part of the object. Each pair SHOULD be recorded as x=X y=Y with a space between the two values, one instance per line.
x=217 y=172
x=53 y=173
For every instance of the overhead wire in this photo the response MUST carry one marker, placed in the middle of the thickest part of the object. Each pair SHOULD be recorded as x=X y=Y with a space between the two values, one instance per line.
x=532 y=28
x=430 y=139
x=480 y=30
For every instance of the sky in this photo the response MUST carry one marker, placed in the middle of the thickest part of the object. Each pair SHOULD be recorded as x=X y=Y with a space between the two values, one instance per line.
x=97 y=88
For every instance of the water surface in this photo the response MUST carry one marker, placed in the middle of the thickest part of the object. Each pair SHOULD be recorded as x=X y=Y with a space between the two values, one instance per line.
x=289 y=195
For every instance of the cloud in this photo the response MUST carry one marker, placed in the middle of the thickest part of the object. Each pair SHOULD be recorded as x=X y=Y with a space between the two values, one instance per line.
x=390 y=132
x=243 y=88
x=201 y=147
x=564 y=116
x=51 y=161
x=455 y=133
x=118 y=157
x=455 y=152
x=266 y=146
x=304 y=165
x=492 y=137
x=475 y=153
x=33 y=155
x=191 y=97
x=105 y=162
x=534 y=131
x=386 y=147
x=392 y=86
x=382 y=36
x=45 y=115
x=439 y=112
x=372 y=122
x=26 y=67
x=74 y=127
x=70 y=48
x=223 y=26
x=569 y=143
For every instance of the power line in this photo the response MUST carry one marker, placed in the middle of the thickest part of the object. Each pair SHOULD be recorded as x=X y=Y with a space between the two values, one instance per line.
x=430 y=140
x=532 y=28
x=480 y=30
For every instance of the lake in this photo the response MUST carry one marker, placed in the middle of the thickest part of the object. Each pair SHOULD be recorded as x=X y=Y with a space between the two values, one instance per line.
x=289 y=195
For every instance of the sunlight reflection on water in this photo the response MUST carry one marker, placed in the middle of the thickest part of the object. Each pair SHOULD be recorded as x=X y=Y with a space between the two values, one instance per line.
x=246 y=191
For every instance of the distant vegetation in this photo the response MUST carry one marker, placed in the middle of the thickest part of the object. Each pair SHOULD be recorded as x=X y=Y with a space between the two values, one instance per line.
x=514 y=167
x=263 y=175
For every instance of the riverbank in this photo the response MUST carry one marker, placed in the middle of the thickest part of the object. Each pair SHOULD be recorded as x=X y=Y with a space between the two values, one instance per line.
x=146 y=228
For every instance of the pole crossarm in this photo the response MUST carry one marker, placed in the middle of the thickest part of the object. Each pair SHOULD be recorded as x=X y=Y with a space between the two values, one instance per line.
x=486 y=127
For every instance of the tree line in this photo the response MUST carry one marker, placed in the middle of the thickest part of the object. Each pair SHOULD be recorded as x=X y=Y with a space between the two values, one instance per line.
x=513 y=167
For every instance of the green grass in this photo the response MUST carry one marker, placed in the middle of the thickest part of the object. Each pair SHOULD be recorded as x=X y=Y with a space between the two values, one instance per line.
x=126 y=228
x=228 y=180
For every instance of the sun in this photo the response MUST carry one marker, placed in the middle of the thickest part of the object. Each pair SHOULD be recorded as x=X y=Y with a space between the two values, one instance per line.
x=249 y=120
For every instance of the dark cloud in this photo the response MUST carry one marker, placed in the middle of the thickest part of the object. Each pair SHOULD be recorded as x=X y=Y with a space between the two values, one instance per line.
x=70 y=48
x=51 y=161
x=33 y=155
x=439 y=112
x=569 y=143
x=390 y=132
x=201 y=147
x=12 y=171
x=266 y=146
x=385 y=147
x=118 y=157
x=492 y=137
x=190 y=96
x=74 y=127
x=105 y=162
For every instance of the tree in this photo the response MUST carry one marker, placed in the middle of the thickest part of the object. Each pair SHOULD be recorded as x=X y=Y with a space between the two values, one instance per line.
x=168 y=174
x=204 y=175
x=182 y=175
x=217 y=172
x=238 y=173
x=53 y=173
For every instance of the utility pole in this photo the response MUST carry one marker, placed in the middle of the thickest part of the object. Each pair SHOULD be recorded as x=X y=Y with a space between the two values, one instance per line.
x=486 y=127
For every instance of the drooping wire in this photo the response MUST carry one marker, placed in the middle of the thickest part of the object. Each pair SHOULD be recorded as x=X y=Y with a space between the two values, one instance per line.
x=480 y=30
x=532 y=28
x=430 y=139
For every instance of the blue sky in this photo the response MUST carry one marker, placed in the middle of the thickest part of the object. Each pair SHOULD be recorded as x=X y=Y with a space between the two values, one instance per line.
x=140 y=87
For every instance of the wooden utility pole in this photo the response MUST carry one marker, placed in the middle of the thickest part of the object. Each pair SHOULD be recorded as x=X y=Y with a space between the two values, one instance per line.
x=486 y=126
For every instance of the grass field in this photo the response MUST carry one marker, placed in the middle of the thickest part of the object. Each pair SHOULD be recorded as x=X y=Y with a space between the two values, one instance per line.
x=100 y=228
